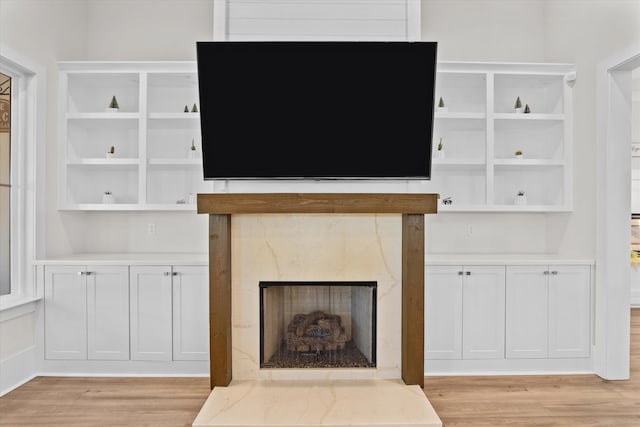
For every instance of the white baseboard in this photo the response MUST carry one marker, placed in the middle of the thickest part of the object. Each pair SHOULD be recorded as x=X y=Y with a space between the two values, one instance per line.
x=572 y=366
x=17 y=369
x=635 y=298
x=124 y=368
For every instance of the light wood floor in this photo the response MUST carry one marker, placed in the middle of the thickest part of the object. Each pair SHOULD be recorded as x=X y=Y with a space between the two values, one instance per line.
x=576 y=400
x=572 y=400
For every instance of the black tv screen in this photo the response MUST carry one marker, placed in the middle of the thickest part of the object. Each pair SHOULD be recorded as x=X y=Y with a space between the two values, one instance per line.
x=316 y=110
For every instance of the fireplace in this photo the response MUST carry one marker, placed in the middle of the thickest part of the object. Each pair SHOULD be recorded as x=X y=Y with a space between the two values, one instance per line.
x=316 y=237
x=318 y=324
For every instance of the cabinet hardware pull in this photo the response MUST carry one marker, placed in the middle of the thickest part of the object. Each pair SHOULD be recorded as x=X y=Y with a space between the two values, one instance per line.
x=460 y=273
x=88 y=273
x=82 y=273
x=167 y=273
x=468 y=273
x=554 y=272
x=546 y=272
x=175 y=273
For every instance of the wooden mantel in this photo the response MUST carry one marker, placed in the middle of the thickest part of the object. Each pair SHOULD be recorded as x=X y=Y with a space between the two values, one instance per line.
x=412 y=207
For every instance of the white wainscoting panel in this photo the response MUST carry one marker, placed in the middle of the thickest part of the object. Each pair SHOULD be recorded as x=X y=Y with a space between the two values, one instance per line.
x=317 y=20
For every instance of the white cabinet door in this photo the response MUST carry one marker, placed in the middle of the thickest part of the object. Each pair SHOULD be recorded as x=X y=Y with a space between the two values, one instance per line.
x=151 y=313
x=191 y=313
x=526 y=312
x=443 y=312
x=65 y=312
x=108 y=312
x=569 y=311
x=483 y=308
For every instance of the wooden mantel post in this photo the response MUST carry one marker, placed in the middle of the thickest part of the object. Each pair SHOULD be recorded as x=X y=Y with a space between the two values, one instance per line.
x=413 y=299
x=220 y=299
x=412 y=207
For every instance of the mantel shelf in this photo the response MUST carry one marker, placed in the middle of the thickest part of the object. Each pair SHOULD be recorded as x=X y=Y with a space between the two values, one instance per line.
x=262 y=203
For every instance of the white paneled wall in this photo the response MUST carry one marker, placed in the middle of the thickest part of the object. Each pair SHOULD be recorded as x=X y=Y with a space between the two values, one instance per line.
x=317 y=20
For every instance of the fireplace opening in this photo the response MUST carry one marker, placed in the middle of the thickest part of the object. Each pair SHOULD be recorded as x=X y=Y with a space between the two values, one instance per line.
x=318 y=324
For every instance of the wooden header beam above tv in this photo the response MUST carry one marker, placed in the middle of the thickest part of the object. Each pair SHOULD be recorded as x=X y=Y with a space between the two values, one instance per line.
x=332 y=203
x=221 y=207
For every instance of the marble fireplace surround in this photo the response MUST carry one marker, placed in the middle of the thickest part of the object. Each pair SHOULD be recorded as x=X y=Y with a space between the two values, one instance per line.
x=370 y=237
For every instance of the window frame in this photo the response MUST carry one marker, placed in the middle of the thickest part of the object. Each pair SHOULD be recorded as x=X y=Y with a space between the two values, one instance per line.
x=27 y=158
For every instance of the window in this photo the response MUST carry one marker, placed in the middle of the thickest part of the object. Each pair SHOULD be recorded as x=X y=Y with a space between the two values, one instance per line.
x=22 y=120
x=5 y=184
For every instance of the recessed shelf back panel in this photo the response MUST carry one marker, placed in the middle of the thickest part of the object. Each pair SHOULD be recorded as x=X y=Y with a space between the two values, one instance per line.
x=464 y=185
x=536 y=139
x=92 y=92
x=461 y=138
x=462 y=92
x=543 y=93
x=169 y=185
x=92 y=138
x=538 y=184
x=88 y=184
x=170 y=93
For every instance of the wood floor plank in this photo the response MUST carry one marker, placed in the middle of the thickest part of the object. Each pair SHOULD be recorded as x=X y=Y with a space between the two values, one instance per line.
x=531 y=401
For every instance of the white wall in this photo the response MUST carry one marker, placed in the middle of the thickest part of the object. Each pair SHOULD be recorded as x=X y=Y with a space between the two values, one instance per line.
x=43 y=32
x=586 y=35
x=46 y=32
x=566 y=31
x=635 y=139
x=635 y=108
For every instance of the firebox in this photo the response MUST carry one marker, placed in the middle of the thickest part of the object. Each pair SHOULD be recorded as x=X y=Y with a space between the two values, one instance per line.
x=318 y=324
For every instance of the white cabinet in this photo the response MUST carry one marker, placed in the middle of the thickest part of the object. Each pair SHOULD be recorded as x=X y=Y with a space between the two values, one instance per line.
x=443 y=312
x=151 y=337
x=464 y=312
x=569 y=311
x=169 y=313
x=150 y=313
x=153 y=166
x=507 y=317
x=527 y=310
x=87 y=312
x=483 y=296
x=191 y=313
x=65 y=312
x=548 y=311
x=108 y=313
x=481 y=133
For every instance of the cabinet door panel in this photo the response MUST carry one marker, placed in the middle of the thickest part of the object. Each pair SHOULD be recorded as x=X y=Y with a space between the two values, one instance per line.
x=151 y=313
x=65 y=313
x=569 y=311
x=191 y=313
x=108 y=312
x=443 y=312
x=483 y=311
x=526 y=312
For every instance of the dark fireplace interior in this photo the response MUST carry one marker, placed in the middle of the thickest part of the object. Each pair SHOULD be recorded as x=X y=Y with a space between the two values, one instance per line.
x=318 y=324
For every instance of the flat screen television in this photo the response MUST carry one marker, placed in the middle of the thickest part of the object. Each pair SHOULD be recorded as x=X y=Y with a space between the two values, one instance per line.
x=316 y=110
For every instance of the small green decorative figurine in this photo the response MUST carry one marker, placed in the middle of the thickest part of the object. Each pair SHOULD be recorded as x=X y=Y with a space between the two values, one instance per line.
x=113 y=105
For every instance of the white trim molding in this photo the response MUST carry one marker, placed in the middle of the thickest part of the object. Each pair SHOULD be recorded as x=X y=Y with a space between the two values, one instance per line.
x=613 y=270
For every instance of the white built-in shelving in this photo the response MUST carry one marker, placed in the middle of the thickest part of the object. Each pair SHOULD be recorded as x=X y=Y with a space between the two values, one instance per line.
x=481 y=131
x=153 y=167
